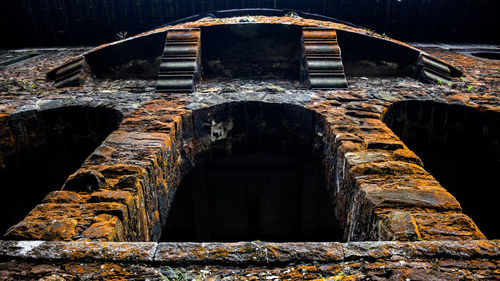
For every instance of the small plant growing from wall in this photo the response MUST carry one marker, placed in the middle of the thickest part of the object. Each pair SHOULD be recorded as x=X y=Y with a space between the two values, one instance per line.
x=292 y=15
x=121 y=35
x=247 y=18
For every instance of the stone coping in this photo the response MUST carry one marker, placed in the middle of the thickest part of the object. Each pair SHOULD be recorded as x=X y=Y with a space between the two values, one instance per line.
x=255 y=252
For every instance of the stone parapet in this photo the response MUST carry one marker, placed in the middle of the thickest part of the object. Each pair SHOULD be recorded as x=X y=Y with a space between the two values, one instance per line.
x=429 y=260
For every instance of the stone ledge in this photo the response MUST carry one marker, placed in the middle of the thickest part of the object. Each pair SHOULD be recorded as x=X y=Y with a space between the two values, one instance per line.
x=249 y=252
x=423 y=249
x=245 y=252
x=81 y=251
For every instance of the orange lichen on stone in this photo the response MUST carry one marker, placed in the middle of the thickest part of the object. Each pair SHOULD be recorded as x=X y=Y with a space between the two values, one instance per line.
x=399 y=226
x=366 y=156
x=407 y=191
x=376 y=177
x=63 y=196
x=349 y=146
x=105 y=228
x=406 y=155
x=447 y=226
x=386 y=168
x=383 y=192
x=111 y=196
x=339 y=277
x=64 y=221
x=85 y=180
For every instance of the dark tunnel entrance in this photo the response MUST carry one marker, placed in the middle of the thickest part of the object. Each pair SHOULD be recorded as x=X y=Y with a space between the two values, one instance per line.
x=460 y=146
x=40 y=149
x=264 y=181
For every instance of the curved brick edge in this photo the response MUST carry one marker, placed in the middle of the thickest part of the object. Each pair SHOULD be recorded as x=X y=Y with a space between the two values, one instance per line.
x=256 y=252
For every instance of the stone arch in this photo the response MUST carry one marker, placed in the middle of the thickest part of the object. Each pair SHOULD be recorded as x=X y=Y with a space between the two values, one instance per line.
x=277 y=151
x=124 y=189
x=40 y=149
x=460 y=146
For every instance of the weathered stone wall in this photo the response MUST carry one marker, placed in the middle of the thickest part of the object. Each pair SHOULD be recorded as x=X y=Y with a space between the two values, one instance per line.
x=381 y=189
x=123 y=190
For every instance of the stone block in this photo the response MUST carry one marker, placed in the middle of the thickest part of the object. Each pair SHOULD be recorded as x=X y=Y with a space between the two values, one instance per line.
x=106 y=228
x=85 y=180
x=249 y=252
x=446 y=226
x=51 y=221
x=398 y=226
x=63 y=196
x=406 y=155
x=386 y=168
x=366 y=156
x=79 y=251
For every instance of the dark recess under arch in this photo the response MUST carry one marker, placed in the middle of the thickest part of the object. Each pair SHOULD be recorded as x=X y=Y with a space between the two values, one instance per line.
x=460 y=146
x=40 y=149
x=258 y=178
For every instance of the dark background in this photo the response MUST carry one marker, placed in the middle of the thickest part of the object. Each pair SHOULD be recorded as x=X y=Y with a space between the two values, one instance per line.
x=30 y=23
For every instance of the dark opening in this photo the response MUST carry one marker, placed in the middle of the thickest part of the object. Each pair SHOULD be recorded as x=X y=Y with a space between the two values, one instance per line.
x=487 y=55
x=133 y=59
x=262 y=181
x=481 y=53
x=40 y=149
x=366 y=56
x=460 y=146
x=251 y=51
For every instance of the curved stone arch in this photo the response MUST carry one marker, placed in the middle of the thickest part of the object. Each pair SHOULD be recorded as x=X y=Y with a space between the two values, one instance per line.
x=390 y=196
x=257 y=130
x=356 y=177
x=251 y=126
x=41 y=148
x=459 y=145
x=380 y=188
